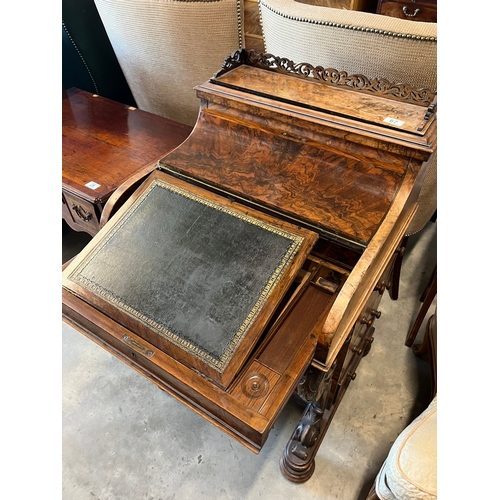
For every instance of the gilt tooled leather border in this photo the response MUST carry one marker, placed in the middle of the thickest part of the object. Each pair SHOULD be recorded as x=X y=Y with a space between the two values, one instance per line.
x=219 y=364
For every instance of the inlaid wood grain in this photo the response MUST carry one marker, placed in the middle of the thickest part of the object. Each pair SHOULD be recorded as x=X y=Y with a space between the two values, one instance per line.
x=372 y=107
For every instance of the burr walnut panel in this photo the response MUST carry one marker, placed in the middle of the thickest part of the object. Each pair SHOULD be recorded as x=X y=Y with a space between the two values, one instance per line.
x=341 y=195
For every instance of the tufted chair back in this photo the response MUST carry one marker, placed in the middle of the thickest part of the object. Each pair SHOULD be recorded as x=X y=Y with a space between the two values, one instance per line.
x=167 y=47
x=373 y=45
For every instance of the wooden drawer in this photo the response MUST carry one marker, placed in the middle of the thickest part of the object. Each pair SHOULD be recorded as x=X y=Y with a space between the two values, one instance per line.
x=362 y=333
x=80 y=214
x=419 y=10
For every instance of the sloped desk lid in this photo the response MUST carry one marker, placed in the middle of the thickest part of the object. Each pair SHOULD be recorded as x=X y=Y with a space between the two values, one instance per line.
x=194 y=274
x=331 y=157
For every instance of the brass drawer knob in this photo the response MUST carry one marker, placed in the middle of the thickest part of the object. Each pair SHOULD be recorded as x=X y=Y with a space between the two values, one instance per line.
x=376 y=313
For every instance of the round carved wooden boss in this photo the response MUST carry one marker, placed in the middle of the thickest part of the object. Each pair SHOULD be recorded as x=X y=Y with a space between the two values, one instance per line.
x=255 y=386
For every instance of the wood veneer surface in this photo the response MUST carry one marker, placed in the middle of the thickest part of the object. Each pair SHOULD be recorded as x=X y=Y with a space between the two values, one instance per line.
x=107 y=142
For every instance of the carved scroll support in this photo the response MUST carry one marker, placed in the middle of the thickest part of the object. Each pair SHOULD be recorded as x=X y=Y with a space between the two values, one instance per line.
x=297 y=461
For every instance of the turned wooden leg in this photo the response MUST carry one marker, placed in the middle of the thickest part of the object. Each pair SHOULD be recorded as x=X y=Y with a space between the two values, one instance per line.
x=396 y=270
x=297 y=461
x=431 y=291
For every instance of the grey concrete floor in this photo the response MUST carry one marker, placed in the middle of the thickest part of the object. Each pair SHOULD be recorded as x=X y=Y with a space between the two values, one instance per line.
x=124 y=439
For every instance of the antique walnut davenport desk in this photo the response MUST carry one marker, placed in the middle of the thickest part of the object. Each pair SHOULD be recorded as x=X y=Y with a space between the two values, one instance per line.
x=248 y=267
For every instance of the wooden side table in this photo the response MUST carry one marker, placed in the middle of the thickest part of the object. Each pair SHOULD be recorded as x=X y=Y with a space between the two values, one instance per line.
x=105 y=143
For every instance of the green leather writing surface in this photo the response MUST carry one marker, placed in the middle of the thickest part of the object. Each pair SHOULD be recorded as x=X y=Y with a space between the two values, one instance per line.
x=192 y=270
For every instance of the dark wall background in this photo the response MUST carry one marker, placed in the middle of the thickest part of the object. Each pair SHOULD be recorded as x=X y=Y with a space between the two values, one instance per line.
x=88 y=59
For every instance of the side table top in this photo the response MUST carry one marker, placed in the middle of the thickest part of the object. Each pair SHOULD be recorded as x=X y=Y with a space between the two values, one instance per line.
x=104 y=143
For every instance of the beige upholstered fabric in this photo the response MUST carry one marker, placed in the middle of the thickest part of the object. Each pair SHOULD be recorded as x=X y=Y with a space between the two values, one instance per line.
x=427 y=198
x=373 y=45
x=410 y=470
x=352 y=41
x=166 y=47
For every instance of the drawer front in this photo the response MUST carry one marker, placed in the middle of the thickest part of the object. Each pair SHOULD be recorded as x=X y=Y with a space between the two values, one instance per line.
x=413 y=11
x=83 y=216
